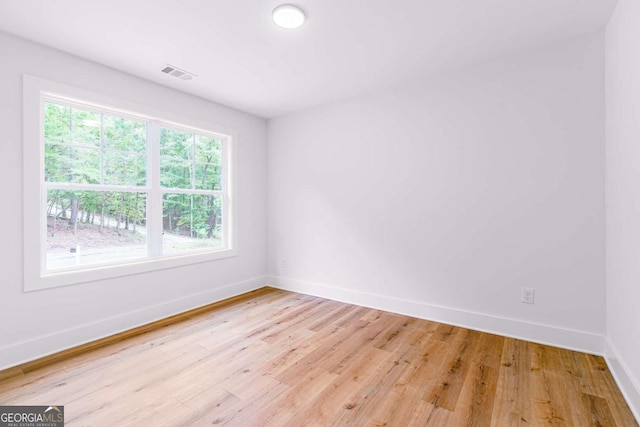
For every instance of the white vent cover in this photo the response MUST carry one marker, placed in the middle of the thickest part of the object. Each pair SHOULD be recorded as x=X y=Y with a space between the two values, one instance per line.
x=177 y=72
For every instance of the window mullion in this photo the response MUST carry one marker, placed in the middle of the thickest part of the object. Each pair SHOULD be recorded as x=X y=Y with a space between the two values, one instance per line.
x=226 y=190
x=193 y=180
x=43 y=190
x=154 y=196
x=72 y=186
x=101 y=148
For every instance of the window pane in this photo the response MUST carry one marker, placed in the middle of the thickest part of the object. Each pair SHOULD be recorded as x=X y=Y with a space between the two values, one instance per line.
x=207 y=176
x=124 y=134
x=191 y=222
x=65 y=163
x=208 y=163
x=57 y=123
x=124 y=168
x=71 y=125
x=94 y=227
x=175 y=174
x=176 y=144
x=69 y=129
x=208 y=150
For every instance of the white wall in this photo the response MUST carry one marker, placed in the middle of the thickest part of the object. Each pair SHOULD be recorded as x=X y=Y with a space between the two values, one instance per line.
x=35 y=323
x=623 y=198
x=443 y=199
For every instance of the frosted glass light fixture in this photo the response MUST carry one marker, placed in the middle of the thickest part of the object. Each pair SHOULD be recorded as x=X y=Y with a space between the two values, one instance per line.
x=288 y=16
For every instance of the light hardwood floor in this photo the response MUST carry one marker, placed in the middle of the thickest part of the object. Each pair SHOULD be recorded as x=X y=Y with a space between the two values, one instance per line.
x=277 y=358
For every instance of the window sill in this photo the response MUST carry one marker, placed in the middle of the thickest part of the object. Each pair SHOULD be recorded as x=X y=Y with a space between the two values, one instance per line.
x=34 y=280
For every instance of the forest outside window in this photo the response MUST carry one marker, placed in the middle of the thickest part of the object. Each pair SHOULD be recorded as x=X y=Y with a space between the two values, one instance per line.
x=192 y=197
x=121 y=189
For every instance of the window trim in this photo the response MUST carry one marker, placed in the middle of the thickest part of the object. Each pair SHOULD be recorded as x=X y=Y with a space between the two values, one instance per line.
x=35 y=90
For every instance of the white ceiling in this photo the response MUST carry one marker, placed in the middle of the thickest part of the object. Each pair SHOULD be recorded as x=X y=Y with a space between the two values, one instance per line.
x=346 y=48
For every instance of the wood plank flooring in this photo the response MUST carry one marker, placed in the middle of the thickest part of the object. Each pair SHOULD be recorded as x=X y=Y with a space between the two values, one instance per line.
x=275 y=358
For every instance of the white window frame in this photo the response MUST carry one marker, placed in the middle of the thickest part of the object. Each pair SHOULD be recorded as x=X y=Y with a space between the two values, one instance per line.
x=36 y=92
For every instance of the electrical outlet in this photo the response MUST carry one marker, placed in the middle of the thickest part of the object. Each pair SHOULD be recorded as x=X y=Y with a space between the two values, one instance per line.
x=527 y=295
x=285 y=263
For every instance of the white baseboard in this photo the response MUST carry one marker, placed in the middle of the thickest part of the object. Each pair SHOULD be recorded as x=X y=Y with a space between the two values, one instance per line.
x=629 y=385
x=25 y=351
x=514 y=328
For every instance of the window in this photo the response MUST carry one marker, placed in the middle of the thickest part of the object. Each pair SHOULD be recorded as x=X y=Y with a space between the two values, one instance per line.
x=120 y=190
x=192 y=198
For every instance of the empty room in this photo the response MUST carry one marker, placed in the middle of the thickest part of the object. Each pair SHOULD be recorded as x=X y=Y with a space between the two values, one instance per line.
x=320 y=213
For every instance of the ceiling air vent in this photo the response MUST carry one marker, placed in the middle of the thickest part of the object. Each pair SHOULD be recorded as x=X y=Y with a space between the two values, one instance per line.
x=177 y=72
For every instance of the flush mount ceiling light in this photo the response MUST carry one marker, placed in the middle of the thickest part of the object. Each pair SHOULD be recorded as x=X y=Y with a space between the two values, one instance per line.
x=288 y=16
